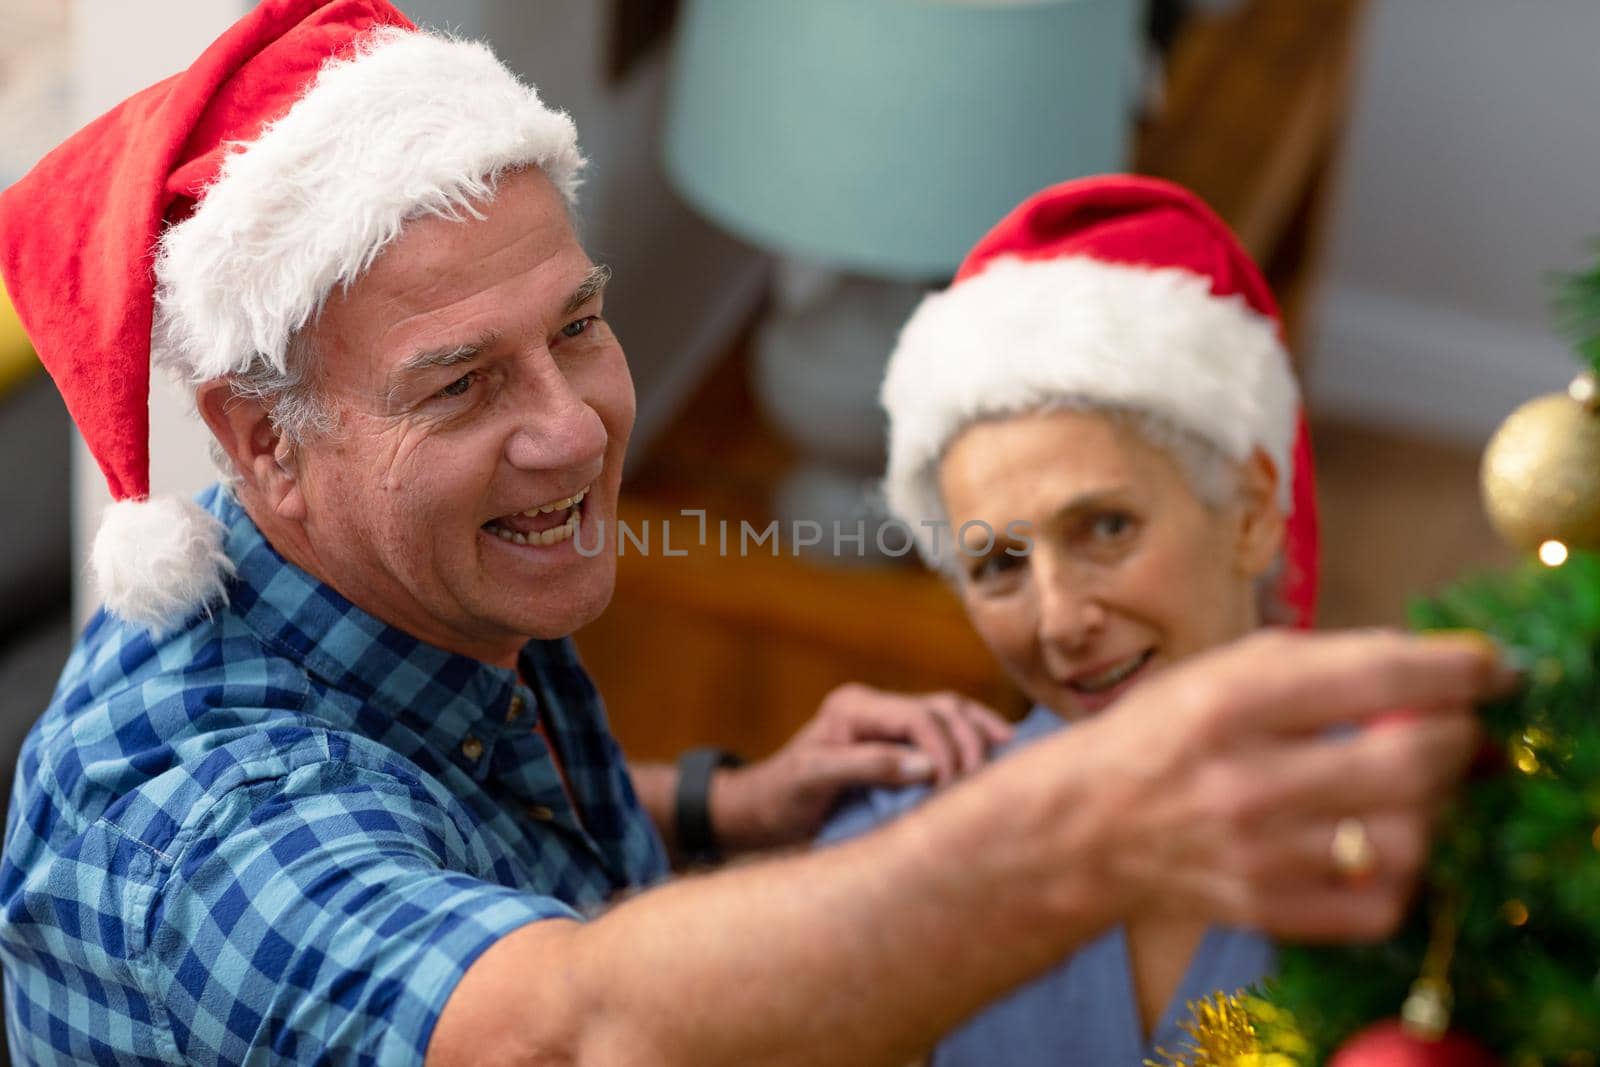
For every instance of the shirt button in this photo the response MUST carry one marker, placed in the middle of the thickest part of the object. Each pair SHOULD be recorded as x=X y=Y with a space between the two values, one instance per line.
x=540 y=813
x=472 y=748
x=515 y=709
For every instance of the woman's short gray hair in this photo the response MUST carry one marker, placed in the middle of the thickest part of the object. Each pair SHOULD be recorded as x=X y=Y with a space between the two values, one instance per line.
x=1209 y=471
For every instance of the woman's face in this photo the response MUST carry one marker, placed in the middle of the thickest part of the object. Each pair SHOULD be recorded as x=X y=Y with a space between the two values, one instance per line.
x=1127 y=570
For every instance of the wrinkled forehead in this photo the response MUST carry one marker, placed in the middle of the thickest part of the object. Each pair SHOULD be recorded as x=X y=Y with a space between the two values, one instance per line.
x=1069 y=435
x=513 y=264
x=1075 y=446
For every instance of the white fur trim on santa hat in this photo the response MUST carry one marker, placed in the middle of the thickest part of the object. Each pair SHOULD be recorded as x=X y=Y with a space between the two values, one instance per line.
x=412 y=123
x=157 y=562
x=1024 y=334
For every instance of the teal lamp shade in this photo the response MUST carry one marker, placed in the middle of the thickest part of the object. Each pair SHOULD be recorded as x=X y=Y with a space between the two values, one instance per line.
x=886 y=136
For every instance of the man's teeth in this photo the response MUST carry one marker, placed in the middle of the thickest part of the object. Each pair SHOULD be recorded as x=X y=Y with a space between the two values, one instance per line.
x=1116 y=675
x=559 y=505
x=551 y=536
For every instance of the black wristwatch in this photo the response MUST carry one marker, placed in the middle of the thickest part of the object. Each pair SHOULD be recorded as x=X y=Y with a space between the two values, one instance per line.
x=697 y=841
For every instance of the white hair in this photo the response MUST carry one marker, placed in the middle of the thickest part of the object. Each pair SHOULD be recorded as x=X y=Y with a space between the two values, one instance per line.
x=410 y=124
x=1209 y=472
x=1023 y=335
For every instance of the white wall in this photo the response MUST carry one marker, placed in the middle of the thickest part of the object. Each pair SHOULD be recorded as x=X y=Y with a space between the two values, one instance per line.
x=680 y=289
x=1471 y=174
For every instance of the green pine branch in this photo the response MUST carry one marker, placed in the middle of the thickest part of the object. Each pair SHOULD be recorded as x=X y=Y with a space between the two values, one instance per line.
x=1519 y=852
x=1577 y=304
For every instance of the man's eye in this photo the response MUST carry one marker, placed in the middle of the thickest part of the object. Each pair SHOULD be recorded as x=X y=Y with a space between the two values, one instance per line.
x=459 y=386
x=577 y=326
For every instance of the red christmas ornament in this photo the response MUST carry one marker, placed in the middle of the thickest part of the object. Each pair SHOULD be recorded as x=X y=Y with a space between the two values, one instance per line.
x=1390 y=1044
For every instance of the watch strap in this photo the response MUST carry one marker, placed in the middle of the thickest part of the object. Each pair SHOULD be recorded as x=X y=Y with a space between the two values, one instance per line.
x=697 y=840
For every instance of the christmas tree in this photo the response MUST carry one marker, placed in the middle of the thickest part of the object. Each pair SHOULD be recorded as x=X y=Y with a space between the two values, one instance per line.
x=1500 y=962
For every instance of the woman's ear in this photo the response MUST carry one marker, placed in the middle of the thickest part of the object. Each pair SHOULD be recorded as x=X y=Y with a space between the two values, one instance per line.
x=261 y=458
x=1261 y=520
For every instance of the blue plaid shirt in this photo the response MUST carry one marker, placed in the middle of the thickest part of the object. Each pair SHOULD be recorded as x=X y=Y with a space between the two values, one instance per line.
x=285 y=832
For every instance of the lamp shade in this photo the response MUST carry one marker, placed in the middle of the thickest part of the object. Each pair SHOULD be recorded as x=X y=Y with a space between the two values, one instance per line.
x=886 y=136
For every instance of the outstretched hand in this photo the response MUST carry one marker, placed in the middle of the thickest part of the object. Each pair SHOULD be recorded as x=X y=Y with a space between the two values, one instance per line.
x=859 y=737
x=1221 y=786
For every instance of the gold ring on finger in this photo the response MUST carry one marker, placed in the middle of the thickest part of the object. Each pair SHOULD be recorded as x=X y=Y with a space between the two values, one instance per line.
x=1355 y=859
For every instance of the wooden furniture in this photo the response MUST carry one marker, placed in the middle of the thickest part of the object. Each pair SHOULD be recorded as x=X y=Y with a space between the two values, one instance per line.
x=738 y=649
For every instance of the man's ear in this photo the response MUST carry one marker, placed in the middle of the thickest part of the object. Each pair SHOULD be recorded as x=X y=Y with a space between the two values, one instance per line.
x=1261 y=520
x=263 y=460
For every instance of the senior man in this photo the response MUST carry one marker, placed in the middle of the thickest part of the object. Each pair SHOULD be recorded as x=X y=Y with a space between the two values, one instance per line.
x=326 y=784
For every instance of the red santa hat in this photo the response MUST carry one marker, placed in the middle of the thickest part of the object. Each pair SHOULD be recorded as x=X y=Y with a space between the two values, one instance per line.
x=1121 y=291
x=203 y=221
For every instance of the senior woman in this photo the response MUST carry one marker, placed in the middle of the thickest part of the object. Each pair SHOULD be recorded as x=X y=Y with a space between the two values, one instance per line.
x=1104 y=390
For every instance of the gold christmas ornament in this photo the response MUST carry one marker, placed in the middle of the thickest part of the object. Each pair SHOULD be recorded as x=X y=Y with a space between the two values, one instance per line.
x=1426 y=1012
x=1221 y=1031
x=1541 y=472
x=1236 y=1030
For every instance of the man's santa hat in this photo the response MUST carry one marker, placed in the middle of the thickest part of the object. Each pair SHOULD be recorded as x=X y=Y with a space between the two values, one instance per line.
x=1119 y=291
x=203 y=221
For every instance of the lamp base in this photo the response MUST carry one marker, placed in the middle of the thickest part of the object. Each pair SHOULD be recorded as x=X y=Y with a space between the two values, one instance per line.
x=818 y=367
x=818 y=364
x=836 y=516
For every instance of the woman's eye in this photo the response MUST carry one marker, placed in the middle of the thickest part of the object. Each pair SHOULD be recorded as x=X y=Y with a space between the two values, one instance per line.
x=577 y=326
x=459 y=386
x=996 y=566
x=1111 y=525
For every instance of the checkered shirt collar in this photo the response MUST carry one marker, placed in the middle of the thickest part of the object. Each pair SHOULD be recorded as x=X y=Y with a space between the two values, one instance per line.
x=440 y=696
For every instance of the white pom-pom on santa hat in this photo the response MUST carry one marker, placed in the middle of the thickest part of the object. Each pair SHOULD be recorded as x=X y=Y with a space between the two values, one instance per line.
x=158 y=561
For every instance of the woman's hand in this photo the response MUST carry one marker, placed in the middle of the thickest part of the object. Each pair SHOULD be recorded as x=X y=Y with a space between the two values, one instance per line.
x=859 y=737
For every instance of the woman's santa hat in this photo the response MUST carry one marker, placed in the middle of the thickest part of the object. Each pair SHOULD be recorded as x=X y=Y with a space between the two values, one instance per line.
x=203 y=221
x=1121 y=291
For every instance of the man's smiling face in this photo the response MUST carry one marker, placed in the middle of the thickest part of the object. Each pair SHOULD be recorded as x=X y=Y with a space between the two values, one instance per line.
x=483 y=410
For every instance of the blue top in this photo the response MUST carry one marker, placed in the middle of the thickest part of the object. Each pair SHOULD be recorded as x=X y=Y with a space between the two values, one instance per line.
x=284 y=832
x=1084 y=1011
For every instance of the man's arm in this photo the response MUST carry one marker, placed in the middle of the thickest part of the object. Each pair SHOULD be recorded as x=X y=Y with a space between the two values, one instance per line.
x=1212 y=791
x=858 y=954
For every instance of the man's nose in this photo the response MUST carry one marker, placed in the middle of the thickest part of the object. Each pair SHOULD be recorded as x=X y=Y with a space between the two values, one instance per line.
x=555 y=425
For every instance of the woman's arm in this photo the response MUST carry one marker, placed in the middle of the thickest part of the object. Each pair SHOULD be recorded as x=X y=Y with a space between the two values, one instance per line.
x=860 y=737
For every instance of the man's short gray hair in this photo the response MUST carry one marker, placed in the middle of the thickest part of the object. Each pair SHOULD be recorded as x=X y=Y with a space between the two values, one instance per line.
x=293 y=396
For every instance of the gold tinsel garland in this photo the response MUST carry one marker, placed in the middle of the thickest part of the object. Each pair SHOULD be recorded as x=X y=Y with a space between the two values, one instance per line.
x=1236 y=1030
